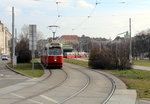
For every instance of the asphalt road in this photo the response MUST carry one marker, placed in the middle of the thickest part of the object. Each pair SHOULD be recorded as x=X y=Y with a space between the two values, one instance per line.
x=7 y=77
x=72 y=85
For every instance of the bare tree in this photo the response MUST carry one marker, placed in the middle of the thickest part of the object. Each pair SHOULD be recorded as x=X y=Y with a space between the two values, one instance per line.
x=22 y=47
x=25 y=33
x=141 y=45
x=110 y=55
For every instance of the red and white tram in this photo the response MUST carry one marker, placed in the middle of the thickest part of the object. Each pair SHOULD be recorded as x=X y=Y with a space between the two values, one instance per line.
x=52 y=55
x=75 y=55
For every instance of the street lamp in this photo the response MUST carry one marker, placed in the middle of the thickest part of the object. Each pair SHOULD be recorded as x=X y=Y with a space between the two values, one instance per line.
x=125 y=35
x=53 y=28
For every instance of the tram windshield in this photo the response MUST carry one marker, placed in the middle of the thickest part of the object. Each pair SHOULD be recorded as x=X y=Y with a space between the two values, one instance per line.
x=55 y=51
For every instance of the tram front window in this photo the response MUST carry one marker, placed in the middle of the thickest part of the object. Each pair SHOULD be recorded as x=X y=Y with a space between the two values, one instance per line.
x=55 y=51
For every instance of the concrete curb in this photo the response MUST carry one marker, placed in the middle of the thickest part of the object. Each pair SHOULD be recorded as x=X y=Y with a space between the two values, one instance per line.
x=145 y=99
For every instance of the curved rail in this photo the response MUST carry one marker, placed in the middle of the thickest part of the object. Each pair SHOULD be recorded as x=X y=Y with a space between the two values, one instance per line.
x=78 y=92
x=109 y=95
x=32 y=96
x=112 y=89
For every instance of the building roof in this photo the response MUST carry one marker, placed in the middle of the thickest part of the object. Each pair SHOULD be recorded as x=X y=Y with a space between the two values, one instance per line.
x=69 y=37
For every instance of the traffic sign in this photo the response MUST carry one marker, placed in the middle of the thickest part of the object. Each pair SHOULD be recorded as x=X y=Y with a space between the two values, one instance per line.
x=32 y=37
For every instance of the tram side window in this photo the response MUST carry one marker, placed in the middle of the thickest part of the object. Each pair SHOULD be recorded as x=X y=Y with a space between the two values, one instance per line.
x=55 y=51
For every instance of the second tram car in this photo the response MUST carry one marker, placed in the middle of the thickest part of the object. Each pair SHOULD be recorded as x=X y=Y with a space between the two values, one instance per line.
x=75 y=55
x=52 y=55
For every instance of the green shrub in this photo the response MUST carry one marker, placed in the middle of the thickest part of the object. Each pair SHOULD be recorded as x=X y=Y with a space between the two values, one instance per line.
x=105 y=58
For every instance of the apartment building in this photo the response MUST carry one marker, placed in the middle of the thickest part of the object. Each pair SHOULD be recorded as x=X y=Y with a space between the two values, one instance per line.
x=5 y=37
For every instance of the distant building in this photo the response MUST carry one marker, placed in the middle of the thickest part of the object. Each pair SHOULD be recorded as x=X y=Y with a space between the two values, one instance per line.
x=5 y=37
x=119 y=39
x=69 y=39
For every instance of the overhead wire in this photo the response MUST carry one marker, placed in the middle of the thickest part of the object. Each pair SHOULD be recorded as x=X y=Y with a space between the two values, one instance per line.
x=59 y=15
x=84 y=20
x=89 y=16
x=58 y=12
x=54 y=25
x=81 y=23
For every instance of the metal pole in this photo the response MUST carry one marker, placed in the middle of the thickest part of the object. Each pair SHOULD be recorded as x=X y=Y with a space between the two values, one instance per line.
x=53 y=28
x=15 y=37
x=13 y=42
x=130 y=54
x=32 y=51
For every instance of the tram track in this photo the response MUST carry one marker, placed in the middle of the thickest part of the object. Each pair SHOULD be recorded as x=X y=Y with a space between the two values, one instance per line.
x=29 y=98
x=79 y=91
x=87 y=81
x=113 y=88
x=67 y=84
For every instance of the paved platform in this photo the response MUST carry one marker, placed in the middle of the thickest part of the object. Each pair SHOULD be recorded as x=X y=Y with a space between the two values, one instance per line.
x=123 y=96
x=141 y=67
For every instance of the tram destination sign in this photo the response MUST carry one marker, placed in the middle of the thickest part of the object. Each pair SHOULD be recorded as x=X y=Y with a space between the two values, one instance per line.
x=32 y=37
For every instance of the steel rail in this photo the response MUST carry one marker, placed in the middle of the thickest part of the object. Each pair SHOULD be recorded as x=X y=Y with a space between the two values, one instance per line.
x=112 y=82
x=78 y=92
x=51 y=88
x=112 y=89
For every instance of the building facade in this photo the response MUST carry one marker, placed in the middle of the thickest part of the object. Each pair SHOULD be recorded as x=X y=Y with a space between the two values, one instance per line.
x=5 y=37
x=69 y=39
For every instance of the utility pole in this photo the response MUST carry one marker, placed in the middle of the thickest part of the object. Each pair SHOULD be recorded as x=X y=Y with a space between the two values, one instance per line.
x=130 y=54
x=13 y=38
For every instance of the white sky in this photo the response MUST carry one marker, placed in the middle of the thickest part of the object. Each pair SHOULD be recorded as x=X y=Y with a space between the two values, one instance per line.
x=107 y=19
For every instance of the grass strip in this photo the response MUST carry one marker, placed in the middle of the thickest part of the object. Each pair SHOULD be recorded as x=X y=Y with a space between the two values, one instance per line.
x=26 y=68
x=133 y=78
x=142 y=63
x=77 y=62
